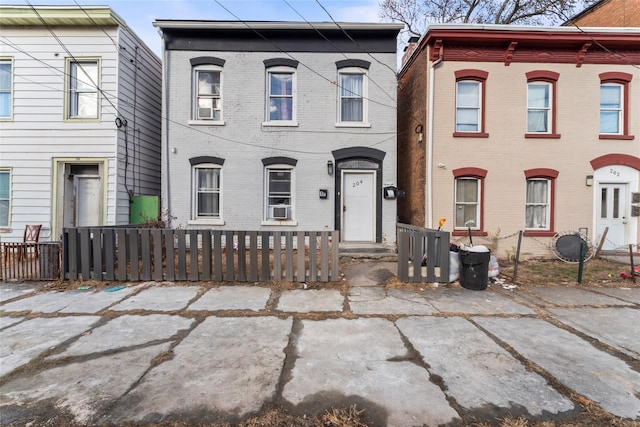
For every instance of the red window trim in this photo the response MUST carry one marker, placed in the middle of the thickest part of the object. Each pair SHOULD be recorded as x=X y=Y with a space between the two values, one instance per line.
x=481 y=77
x=550 y=77
x=479 y=174
x=551 y=175
x=622 y=79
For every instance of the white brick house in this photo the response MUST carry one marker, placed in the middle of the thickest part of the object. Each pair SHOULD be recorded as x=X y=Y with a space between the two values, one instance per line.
x=280 y=126
x=80 y=99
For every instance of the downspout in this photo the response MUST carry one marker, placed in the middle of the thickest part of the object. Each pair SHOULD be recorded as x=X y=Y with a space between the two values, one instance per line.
x=166 y=177
x=430 y=143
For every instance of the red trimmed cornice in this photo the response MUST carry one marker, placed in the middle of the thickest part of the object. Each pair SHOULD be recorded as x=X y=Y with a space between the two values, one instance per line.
x=486 y=44
x=475 y=172
x=616 y=159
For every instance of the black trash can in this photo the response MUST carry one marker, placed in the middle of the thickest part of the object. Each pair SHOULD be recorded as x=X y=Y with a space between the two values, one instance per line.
x=474 y=269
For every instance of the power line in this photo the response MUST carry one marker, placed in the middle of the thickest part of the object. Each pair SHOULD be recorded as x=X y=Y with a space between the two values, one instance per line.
x=292 y=57
x=338 y=50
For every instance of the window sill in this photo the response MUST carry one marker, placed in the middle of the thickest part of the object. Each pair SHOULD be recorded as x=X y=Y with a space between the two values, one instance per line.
x=538 y=233
x=206 y=122
x=466 y=233
x=543 y=135
x=286 y=223
x=280 y=124
x=471 y=135
x=353 y=125
x=217 y=221
x=618 y=137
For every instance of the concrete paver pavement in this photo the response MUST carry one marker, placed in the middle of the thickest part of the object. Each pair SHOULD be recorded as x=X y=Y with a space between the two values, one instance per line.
x=406 y=356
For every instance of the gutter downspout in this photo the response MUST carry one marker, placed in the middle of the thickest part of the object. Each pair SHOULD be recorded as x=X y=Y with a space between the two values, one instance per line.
x=165 y=131
x=430 y=143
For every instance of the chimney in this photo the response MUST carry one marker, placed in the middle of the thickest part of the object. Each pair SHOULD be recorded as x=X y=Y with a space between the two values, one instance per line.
x=409 y=48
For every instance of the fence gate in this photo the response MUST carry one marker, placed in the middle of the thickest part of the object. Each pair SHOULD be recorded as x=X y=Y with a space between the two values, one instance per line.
x=423 y=254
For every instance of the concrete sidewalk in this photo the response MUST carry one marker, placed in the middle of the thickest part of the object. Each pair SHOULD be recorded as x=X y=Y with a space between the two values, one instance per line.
x=406 y=355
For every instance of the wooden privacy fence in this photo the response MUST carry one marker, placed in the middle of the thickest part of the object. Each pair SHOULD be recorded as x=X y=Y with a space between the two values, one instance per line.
x=30 y=261
x=423 y=254
x=134 y=254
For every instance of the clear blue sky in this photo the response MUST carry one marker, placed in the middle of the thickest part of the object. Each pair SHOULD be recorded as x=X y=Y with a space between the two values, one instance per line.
x=140 y=14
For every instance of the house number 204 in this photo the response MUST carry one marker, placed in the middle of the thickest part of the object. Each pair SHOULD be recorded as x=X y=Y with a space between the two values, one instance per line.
x=614 y=172
x=355 y=184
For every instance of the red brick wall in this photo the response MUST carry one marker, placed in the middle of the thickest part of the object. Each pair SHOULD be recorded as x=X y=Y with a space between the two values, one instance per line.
x=412 y=111
x=612 y=13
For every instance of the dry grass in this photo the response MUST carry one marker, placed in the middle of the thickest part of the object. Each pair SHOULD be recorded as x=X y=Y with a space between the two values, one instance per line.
x=596 y=272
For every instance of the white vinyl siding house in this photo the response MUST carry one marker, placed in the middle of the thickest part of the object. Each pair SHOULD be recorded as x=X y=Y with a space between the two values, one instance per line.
x=84 y=131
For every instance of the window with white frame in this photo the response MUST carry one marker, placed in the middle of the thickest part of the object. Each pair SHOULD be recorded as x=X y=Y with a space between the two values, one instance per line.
x=538 y=107
x=537 y=204
x=82 y=89
x=352 y=90
x=468 y=106
x=208 y=94
x=611 y=108
x=5 y=197
x=281 y=95
x=207 y=191
x=279 y=192
x=468 y=203
x=6 y=88
x=615 y=105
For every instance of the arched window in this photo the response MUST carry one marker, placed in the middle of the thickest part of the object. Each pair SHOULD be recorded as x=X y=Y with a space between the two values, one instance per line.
x=539 y=201
x=614 y=105
x=541 y=104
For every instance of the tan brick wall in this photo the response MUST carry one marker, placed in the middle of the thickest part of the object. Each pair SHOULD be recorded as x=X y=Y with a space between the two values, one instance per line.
x=612 y=13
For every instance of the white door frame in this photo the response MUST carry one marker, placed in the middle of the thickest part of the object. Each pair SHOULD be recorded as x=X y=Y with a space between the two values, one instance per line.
x=629 y=178
x=373 y=202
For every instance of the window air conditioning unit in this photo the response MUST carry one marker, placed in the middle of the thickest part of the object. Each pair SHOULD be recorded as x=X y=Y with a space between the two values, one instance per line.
x=280 y=212
x=205 y=113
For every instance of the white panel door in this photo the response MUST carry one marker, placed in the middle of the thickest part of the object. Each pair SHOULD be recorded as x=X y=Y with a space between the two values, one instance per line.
x=88 y=206
x=611 y=213
x=358 y=206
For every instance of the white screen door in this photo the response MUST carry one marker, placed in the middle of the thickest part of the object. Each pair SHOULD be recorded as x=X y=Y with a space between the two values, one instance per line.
x=358 y=206
x=611 y=213
x=88 y=206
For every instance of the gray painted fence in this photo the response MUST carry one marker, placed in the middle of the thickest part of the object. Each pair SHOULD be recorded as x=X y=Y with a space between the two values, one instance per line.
x=418 y=246
x=139 y=254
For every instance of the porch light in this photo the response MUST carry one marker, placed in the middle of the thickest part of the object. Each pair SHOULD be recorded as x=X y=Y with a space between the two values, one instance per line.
x=330 y=167
x=589 y=181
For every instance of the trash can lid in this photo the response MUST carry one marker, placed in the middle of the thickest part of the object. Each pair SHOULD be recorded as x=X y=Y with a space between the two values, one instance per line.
x=479 y=248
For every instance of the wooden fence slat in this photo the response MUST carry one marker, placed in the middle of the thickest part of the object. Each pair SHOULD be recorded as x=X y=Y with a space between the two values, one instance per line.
x=313 y=255
x=206 y=255
x=156 y=234
x=70 y=255
x=193 y=255
x=277 y=260
x=134 y=244
x=95 y=254
x=217 y=256
x=228 y=251
x=253 y=256
x=324 y=256
x=288 y=248
x=182 y=255
x=432 y=256
x=418 y=252
x=85 y=253
x=145 y=244
x=301 y=276
x=265 y=272
x=335 y=255
x=242 y=257
x=403 y=242
x=121 y=245
x=170 y=273
x=109 y=250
